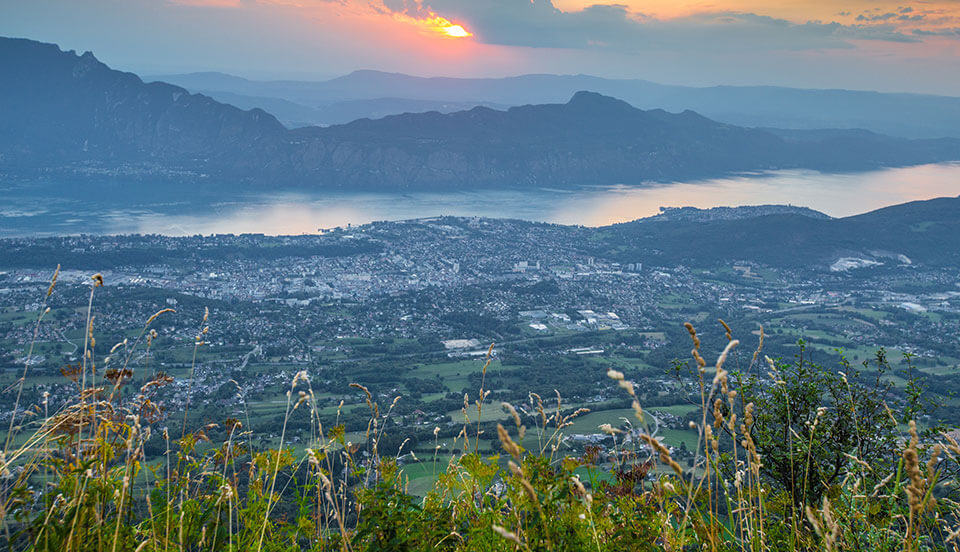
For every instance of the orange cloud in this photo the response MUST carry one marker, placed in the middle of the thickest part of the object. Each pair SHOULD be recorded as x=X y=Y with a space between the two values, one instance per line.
x=903 y=15
x=430 y=22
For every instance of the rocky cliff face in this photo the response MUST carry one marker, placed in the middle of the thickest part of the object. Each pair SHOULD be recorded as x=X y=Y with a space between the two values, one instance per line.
x=61 y=108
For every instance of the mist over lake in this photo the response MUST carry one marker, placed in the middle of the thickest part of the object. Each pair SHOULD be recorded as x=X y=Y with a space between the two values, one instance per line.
x=189 y=209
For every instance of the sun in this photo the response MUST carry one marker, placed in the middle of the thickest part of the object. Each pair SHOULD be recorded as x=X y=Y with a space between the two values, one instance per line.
x=456 y=31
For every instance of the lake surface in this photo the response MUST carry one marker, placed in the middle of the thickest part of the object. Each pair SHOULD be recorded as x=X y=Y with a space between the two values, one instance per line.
x=190 y=211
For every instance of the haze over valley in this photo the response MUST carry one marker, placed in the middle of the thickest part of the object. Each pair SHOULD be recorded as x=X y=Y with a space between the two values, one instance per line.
x=376 y=94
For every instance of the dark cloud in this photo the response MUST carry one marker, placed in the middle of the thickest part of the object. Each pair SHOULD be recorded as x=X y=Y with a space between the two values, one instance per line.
x=407 y=7
x=872 y=18
x=952 y=32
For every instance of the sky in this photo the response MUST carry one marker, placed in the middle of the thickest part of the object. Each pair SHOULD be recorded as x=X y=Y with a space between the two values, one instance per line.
x=905 y=46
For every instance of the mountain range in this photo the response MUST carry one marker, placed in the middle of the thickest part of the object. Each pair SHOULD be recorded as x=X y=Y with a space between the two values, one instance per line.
x=374 y=94
x=64 y=109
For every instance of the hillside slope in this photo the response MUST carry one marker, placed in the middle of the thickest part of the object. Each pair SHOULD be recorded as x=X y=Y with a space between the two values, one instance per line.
x=926 y=232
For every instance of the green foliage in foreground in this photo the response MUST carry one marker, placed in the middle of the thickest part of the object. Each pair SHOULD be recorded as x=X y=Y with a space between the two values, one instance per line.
x=790 y=456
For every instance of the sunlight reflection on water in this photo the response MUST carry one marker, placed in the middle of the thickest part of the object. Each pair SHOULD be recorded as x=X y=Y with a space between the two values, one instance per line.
x=835 y=194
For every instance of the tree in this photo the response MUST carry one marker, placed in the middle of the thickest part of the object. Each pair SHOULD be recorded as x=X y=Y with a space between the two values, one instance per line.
x=813 y=425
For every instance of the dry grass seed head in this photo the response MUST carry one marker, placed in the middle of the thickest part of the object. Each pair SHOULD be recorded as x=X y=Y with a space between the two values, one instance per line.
x=748 y=415
x=53 y=281
x=567 y=419
x=934 y=461
x=510 y=536
x=615 y=375
x=508 y=444
x=881 y=484
x=717 y=413
x=952 y=448
x=663 y=452
x=825 y=525
x=727 y=328
x=911 y=462
x=756 y=354
x=609 y=429
x=521 y=430
x=158 y=313
x=693 y=335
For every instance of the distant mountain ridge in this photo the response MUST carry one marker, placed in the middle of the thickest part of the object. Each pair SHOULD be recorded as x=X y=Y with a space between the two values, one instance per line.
x=294 y=115
x=693 y=214
x=65 y=109
x=904 y=115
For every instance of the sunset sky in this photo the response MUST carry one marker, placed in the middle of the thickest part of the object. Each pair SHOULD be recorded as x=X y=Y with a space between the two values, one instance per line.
x=911 y=46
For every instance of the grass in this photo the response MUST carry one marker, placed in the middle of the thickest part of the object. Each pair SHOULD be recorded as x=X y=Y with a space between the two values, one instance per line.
x=80 y=478
x=420 y=477
x=675 y=409
x=455 y=374
x=590 y=423
x=951 y=369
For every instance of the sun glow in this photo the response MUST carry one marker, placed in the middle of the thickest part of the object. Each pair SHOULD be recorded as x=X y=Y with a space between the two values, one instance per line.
x=439 y=25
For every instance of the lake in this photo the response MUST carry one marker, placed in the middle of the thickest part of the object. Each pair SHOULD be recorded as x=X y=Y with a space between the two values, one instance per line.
x=186 y=212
